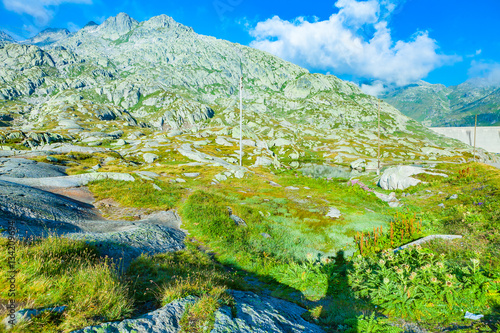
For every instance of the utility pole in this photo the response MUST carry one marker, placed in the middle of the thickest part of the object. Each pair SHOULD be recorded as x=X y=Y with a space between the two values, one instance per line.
x=241 y=120
x=475 y=126
x=378 y=155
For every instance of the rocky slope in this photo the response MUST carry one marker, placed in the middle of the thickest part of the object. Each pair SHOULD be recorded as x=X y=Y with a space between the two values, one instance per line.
x=162 y=75
x=6 y=38
x=47 y=36
x=437 y=105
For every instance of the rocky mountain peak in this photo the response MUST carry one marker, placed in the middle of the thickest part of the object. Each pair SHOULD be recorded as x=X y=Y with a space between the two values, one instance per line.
x=90 y=24
x=161 y=21
x=6 y=37
x=117 y=26
x=47 y=36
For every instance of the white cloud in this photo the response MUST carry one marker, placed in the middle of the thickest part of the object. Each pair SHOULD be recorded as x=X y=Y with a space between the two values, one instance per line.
x=489 y=71
x=40 y=10
x=72 y=27
x=341 y=45
x=375 y=88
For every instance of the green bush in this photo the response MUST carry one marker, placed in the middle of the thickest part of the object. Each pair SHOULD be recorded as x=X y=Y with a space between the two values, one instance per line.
x=418 y=285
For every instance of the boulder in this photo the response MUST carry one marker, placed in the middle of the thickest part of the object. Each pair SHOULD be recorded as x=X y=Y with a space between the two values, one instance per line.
x=333 y=213
x=149 y=157
x=261 y=314
x=359 y=164
x=399 y=178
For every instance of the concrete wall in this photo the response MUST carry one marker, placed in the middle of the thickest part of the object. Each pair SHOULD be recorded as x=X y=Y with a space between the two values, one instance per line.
x=486 y=137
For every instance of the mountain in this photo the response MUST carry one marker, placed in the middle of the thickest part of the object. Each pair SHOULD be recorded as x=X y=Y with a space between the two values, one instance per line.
x=162 y=75
x=437 y=105
x=6 y=38
x=47 y=36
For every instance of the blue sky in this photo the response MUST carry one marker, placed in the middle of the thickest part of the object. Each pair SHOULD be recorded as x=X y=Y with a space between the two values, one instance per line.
x=377 y=42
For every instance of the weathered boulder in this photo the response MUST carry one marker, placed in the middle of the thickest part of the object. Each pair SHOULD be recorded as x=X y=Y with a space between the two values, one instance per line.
x=399 y=178
x=149 y=157
x=262 y=314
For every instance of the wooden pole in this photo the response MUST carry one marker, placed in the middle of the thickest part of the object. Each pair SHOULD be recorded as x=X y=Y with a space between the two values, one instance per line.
x=241 y=121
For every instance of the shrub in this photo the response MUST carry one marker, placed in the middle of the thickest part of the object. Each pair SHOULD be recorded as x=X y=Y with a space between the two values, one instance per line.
x=418 y=285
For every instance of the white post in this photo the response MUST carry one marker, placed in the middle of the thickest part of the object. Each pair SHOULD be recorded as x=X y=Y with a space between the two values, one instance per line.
x=378 y=154
x=241 y=120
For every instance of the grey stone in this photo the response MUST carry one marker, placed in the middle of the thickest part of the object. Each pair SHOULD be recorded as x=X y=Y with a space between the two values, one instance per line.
x=262 y=314
x=156 y=187
x=292 y=188
x=149 y=174
x=191 y=174
x=334 y=213
x=24 y=168
x=441 y=205
x=263 y=161
x=265 y=235
x=454 y=196
x=149 y=157
x=27 y=314
x=426 y=239
x=359 y=164
x=239 y=174
x=69 y=181
x=220 y=177
x=163 y=320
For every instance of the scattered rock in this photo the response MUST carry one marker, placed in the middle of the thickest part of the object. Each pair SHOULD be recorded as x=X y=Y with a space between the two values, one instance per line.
x=261 y=314
x=265 y=235
x=163 y=320
x=220 y=177
x=334 y=213
x=292 y=188
x=359 y=164
x=191 y=174
x=26 y=315
x=398 y=178
x=237 y=220
x=454 y=196
x=156 y=187
x=441 y=205
x=239 y=174
x=149 y=157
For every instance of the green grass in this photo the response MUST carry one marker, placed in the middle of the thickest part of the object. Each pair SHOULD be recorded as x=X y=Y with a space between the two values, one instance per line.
x=57 y=271
x=139 y=194
x=163 y=278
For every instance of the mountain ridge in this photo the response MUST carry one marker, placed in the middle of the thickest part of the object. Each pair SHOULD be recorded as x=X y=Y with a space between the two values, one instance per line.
x=438 y=105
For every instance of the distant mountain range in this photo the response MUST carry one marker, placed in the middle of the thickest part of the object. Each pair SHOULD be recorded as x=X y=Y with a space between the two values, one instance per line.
x=438 y=105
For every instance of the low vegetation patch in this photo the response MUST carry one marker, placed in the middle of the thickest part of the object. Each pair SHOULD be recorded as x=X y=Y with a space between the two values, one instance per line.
x=139 y=194
x=57 y=271
x=163 y=278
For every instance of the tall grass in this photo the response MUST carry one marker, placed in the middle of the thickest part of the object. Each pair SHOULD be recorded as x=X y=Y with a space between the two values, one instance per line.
x=57 y=271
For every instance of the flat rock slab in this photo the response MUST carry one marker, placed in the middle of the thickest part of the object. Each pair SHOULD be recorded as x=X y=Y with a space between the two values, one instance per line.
x=254 y=313
x=426 y=239
x=24 y=203
x=24 y=168
x=163 y=320
x=38 y=213
x=69 y=181
x=262 y=314
x=400 y=177
x=134 y=239
x=68 y=148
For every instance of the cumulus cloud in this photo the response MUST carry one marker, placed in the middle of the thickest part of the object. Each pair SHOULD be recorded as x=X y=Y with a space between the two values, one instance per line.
x=488 y=71
x=40 y=10
x=375 y=88
x=355 y=41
